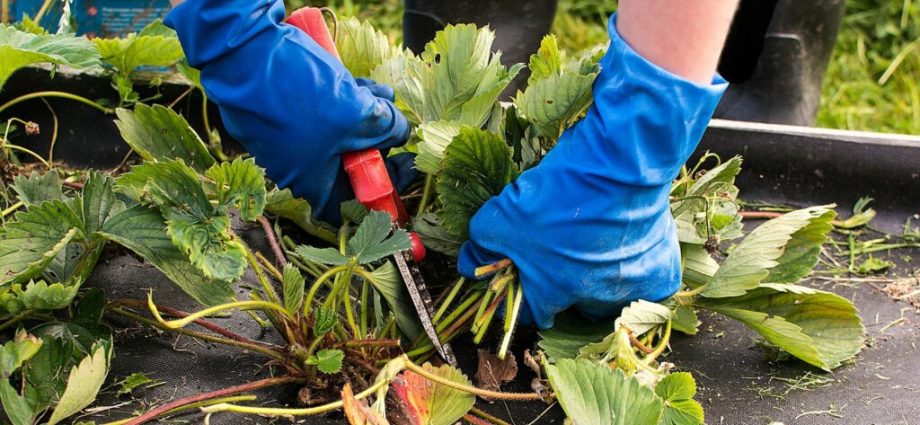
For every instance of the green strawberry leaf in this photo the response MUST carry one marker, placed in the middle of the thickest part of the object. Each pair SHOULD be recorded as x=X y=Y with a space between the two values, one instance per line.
x=158 y=133
x=292 y=283
x=477 y=166
x=38 y=188
x=685 y=320
x=760 y=251
x=801 y=252
x=134 y=381
x=282 y=203
x=373 y=239
x=641 y=316
x=156 y=45
x=387 y=281
x=208 y=246
x=430 y=229
x=547 y=62
x=31 y=242
x=594 y=394
x=677 y=390
x=570 y=333
x=240 y=184
x=324 y=320
x=820 y=328
x=434 y=136
x=328 y=256
x=362 y=47
x=19 y=48
x=143 y=230
x=327 y=361
x=457 y=77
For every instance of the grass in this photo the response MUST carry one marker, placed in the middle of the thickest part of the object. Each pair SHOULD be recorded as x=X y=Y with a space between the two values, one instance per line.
x=872 y=82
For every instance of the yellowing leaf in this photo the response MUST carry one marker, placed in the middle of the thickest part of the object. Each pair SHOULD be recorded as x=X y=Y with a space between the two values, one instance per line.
x=357 y=412
x=84 y=383
x=427 y=403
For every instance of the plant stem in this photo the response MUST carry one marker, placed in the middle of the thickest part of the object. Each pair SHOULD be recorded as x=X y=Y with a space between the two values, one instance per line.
x=365 y=293
x=202 y=336
x=275 y=411
x=665 y=339
x=239 y=305
x=26 y=151
x=426 y=194
x=60 y=94
x=187 y=407
x=308 y=302
x=41 y=11
x=511 y=321
x=692 y=292
x=469 y=389
x=16 y=319
x=213 y=327
x=11 y=209
x=273 y=241
x=763 y=215
x=260 y=275
x=488 y=417
x=448 y=300
x=262 y=383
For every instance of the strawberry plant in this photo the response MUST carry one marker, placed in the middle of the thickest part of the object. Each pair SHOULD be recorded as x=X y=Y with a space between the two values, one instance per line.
x=338 y=304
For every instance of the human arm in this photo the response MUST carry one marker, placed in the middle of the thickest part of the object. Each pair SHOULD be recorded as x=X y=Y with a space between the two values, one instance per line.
x=293 y=106
x=590 y=226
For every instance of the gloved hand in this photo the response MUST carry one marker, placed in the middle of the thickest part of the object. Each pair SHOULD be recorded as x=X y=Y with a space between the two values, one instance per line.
x=293 y=106
x=590 y=226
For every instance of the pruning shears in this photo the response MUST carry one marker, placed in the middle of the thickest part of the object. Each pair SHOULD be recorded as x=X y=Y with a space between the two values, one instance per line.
x=373 y=188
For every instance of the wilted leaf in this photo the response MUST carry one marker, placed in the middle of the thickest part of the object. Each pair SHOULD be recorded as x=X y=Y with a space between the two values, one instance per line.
x=208 y=246
x=143 y=230
x=427 y=403
x=750 y=262
x=493 y=371
x=41 y=296
x=708 y=210
x=820 y=328
x=357 y=412
x=240 y=184
x=30 y=242
x=84 y=383
x=477 y=166
x=19 y=48
x=14 y=353
x=38 y=188
x=677 y=390
x=362 y=47
x=327 y=361
x=158 y=133
x=373 y=239
x=593 y=394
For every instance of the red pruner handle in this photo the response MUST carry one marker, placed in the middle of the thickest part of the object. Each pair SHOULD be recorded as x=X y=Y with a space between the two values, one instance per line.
x=366 y=170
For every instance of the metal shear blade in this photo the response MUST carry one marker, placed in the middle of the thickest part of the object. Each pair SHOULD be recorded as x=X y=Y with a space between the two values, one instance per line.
x=422 y=301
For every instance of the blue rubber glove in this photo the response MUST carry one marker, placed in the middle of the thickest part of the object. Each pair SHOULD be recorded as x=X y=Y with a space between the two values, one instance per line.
x=293 y=106
x=590 y=226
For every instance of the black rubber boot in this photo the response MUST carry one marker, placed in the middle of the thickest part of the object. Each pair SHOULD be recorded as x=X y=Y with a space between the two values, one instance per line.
x=775 y=57
x=519 y=24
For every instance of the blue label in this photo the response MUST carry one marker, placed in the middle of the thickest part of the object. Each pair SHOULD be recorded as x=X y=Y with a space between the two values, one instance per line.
x=96 y=18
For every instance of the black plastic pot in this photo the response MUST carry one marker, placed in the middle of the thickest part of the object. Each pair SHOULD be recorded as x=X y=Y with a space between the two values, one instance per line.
x=775 y=57
x=519 y=24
